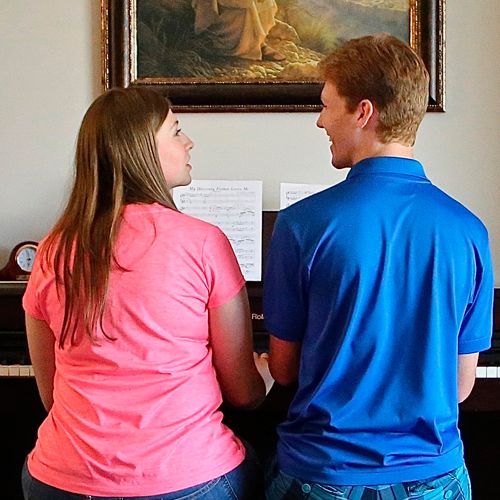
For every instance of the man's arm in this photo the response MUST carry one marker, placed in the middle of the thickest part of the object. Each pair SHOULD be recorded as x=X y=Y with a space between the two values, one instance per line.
x=41 y=342
x=284 y=360
x=467 y=364
x=285 y=301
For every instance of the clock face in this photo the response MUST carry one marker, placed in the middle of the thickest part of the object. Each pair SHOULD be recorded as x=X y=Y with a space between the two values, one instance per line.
x=20 y=262
x=25 y=256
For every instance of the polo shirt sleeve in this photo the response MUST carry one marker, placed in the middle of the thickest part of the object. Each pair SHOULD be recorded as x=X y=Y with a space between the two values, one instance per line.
x=285 y=304
x=221 y=267
x=477 y=326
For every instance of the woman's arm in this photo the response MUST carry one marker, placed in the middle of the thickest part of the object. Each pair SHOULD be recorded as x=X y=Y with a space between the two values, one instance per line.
x=41 y=342
x=231 y=340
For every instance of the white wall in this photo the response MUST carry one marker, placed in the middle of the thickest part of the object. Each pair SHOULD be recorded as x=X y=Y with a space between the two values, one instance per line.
x=50 y=73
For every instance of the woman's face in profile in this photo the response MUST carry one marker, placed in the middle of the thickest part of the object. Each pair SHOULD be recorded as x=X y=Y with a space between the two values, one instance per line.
x=173 y=150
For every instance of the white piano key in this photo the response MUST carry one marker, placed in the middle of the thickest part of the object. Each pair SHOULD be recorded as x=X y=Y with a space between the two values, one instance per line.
x=32 y=371
x=24 y=371
x=4 y=371
x=481 y=372
x=14 y=370
x=491 y=372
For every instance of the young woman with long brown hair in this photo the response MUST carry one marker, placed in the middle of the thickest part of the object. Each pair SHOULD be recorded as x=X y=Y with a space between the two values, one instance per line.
x=138 y=322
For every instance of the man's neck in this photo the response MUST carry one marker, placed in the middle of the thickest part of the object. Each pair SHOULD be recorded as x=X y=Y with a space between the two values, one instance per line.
x=380 y=149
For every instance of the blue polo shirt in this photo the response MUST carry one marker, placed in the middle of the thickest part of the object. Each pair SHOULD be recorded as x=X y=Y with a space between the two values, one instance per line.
x=385 y=280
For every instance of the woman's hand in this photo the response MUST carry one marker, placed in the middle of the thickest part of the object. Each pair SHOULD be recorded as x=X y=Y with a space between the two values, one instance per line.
x=262 y=364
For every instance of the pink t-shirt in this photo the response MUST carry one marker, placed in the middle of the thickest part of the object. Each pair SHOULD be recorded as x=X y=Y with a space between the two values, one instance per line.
x=139 y=415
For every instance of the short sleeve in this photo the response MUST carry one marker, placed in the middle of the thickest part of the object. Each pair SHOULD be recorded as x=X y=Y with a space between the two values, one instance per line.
x=221 y=267
x=285 y=304
x=477 y=326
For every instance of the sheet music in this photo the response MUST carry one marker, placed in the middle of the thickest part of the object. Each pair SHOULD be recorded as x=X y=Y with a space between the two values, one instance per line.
x=290 y=193
x=236 y=208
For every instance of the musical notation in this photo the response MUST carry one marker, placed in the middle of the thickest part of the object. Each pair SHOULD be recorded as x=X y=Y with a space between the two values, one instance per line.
x=236 y=208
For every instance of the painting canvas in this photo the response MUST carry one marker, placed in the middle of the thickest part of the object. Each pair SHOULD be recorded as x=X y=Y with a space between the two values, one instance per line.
x=248 y=54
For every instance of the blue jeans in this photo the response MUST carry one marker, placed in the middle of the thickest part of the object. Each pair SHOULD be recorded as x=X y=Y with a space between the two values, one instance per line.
x=243 y=483
x=453 y=485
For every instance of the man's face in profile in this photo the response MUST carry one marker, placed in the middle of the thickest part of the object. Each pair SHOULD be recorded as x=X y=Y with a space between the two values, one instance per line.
x=340 y=126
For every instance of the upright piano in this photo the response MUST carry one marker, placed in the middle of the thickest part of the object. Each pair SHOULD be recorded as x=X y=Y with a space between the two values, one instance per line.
x=22 y=411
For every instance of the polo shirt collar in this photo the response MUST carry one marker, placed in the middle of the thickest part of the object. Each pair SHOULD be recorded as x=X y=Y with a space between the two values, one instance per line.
x=387 y=165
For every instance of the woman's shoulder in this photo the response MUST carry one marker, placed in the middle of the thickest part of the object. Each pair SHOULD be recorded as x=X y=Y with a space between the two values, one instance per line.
x=173 y=219
x=191 y=223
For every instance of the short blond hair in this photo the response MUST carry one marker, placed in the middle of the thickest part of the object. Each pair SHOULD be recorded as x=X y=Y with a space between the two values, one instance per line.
x=390 y=74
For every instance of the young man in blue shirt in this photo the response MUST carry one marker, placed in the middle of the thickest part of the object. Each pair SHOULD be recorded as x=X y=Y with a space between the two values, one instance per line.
x=378 y=297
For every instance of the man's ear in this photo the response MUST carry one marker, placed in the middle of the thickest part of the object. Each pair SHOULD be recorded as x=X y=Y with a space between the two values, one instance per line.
x=366 y=113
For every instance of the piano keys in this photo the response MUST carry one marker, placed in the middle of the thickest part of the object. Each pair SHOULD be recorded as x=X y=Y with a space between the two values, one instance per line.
x=14 y=357
x=488 y=372
x=16 y=371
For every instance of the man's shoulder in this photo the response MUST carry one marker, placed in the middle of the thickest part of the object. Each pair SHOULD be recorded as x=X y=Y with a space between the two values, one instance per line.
x=454 y=210
x=316 y=201
x=313 y=211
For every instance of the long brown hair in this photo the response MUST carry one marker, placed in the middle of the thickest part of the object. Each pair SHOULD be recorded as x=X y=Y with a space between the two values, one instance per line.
x=116 y=163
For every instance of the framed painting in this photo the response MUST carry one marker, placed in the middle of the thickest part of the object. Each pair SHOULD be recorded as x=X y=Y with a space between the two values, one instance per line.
x=254 y=55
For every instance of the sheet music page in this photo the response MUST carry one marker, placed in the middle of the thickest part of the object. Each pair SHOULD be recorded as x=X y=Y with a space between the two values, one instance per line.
x=291 y=193
x=236 y=208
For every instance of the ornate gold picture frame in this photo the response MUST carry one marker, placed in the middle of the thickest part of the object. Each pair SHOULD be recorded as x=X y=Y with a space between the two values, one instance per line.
x=175 y=46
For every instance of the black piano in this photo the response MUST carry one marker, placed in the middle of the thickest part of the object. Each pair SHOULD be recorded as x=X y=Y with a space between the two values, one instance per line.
x=22 y=412
x=21 y=409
